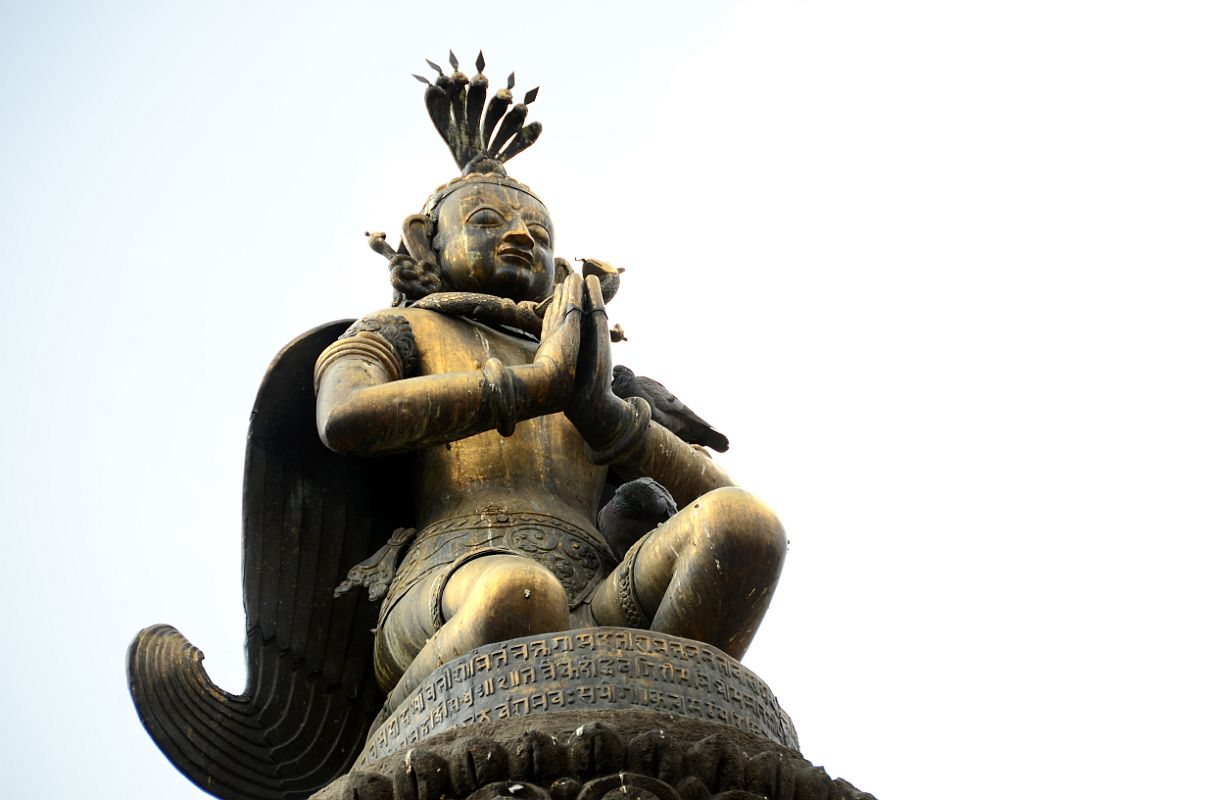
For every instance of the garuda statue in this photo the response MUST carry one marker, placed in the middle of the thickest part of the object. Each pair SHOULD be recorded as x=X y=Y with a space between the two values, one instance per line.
x=452 y=454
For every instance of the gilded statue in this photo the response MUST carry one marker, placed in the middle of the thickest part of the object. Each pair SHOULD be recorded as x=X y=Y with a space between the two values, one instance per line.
x=463 y=454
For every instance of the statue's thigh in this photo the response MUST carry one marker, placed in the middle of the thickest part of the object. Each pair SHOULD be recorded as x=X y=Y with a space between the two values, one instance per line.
x=476 y=579
x=498 y=596
x=431 y=603
x=404 y=628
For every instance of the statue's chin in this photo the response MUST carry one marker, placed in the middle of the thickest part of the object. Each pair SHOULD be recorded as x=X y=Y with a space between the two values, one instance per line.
x=512 y=281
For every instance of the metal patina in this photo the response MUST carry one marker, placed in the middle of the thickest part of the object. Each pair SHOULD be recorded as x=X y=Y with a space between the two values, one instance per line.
x=474 y=418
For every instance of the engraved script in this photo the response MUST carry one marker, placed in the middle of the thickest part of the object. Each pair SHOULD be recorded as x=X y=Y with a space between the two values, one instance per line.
x=591 y=669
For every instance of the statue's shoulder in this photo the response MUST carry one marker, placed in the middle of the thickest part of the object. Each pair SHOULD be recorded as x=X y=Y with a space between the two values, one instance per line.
x=384 y=317
x=416 y=319
x=411 y=332
x=421 y=319
x=395 y=326
x=429 y=327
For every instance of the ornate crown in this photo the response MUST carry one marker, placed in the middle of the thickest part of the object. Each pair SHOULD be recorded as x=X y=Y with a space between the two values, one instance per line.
x=480 y=142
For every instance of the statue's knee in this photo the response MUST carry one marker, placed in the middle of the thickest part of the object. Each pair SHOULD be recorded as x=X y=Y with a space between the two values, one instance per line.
x=521 y=597
x=743 y=524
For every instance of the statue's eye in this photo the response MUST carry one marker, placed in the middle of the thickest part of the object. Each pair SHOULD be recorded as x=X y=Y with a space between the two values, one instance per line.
x=539 y=232
x=486 y=217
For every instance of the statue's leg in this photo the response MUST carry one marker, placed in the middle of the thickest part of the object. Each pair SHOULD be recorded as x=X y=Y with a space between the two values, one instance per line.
x=487 y=599
x=707 y=573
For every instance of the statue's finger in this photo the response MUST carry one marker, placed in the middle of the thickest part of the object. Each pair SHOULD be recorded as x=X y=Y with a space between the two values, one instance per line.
x=549 y=311
x=599 y=315
x=598 y=340
x=573 y=292
x=588 y=348
x=595 y=291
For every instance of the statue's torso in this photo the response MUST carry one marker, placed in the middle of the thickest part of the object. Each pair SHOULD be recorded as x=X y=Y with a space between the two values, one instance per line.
x=534 y=493
x=542 y=467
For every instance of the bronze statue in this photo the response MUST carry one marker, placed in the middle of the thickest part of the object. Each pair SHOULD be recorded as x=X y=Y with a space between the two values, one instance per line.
x=476 y=419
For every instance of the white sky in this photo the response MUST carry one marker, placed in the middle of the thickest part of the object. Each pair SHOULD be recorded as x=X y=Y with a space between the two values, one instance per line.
x=936 y=268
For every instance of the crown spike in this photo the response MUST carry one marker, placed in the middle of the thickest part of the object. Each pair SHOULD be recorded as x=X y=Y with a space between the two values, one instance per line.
x=522 y=141
x=494 y=113
x=437 y=108
x=465 y=152
x=475 y=101
x=455 y=136
x=421 y=79
x=480 y=135
x=508 y=128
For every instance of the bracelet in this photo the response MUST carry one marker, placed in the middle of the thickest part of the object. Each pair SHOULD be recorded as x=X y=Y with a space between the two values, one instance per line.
x=500 y=392
x=629 y=435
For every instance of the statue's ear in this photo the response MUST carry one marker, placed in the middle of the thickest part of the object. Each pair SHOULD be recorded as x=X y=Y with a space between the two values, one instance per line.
x=561 y=270
x=416 y=235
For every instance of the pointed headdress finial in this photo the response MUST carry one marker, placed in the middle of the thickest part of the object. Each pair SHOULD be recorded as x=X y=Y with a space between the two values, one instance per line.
x=480 y=135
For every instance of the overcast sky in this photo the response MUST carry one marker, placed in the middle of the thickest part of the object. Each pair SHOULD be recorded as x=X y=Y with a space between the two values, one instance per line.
x=935 y=268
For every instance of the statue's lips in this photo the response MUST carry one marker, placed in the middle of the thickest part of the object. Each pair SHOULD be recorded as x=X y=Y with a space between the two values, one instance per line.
x=513 y=255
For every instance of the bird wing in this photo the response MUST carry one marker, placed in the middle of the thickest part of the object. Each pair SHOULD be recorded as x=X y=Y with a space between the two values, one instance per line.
x=308 y=516
x=667 y=402
x=674 y=415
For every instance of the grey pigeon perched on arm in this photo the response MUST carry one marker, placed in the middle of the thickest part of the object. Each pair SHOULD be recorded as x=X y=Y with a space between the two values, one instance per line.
x=635 y=509
x=668 y=410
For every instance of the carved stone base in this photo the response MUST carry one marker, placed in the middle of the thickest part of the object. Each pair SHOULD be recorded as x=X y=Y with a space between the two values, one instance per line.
x=599 y=714
x=587 y=670
x=595 y=761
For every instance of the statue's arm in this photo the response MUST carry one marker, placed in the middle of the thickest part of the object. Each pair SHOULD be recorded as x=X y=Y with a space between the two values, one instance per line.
x=686 y=472
x=620 y=433
x=367 y=406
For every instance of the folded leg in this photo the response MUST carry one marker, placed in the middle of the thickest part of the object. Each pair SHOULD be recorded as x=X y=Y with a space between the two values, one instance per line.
x=707 y=573
x=484 y=600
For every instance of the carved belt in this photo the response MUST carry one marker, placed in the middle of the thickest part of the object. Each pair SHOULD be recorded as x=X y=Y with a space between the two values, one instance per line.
x=574 y=555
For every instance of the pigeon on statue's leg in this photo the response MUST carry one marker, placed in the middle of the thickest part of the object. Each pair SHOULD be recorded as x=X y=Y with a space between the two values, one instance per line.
x=635 y=509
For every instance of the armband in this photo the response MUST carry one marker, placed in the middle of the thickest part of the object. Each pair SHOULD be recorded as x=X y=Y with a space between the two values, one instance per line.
x=384 y=339
x=369 y=346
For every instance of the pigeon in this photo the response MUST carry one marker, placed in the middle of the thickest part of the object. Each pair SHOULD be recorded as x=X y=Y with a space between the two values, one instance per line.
x=635 y=509
x=668 y=410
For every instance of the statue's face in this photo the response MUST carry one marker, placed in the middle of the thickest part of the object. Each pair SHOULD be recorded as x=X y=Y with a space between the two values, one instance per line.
x=496 y=240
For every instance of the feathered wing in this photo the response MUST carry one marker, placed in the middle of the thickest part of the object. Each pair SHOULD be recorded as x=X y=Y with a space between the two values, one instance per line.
x=687 y=424
x=309 y=515
x=668 y=410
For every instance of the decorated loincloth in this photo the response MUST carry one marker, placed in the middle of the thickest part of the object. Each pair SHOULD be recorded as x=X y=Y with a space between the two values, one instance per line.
x=576 y=557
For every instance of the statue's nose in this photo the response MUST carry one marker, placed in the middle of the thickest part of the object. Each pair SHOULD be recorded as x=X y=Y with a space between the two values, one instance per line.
x=518 y=236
